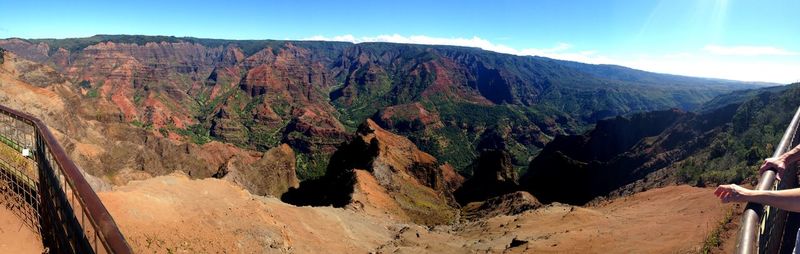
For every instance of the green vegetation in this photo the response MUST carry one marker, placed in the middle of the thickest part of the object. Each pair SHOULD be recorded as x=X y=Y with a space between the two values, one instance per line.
x=262 y=137
x=14 y=163
x=138 y=97
x=196 y=133
x=137 y=123
x=93 y=93
x=755 y=128
x=164 y=131
x=206 y=106
x=535 y=98
x=310 y=166
x=713 y=240
x=140 y=124
x=249 y=47
x=372 y=87
x=10 y=143
x=557 y=97
x=465 y=123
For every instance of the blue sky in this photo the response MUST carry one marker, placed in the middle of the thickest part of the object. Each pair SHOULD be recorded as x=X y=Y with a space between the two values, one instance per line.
x=735 y=39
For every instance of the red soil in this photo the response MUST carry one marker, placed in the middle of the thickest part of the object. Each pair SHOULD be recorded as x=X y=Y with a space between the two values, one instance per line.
x=15 y=237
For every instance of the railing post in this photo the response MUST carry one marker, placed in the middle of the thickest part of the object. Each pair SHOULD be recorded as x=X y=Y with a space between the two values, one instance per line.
x=752 y=229
x=61 y=191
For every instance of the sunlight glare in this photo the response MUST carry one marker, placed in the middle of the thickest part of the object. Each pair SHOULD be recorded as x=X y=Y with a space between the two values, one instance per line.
x=717 y=21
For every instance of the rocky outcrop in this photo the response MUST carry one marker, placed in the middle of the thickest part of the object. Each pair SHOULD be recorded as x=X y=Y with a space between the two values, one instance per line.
x=32 y=51
x=494 y=172
x=493 y=175
x=507 y=204
x=256 y=99
x=228 y=128
x=391 y=158
x=290 y=72
x=408 y=118
x=258 y=94
x=272 y=175
x=377 y=164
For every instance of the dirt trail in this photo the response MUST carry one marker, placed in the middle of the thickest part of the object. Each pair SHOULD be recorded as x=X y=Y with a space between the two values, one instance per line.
x=175 y=214
x=674 y=219
x=15 y=237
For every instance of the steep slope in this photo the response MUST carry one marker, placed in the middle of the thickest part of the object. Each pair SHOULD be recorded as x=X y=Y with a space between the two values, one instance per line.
x=383 y=172
x=751 y=135
x=173 y=214
x=507 y=204
x=213 y=216
x=666 y=220
x=723 y=144
x=274 y=174
x=494 y=173
x=576 y=169
x=118 y=152
x=259 y=94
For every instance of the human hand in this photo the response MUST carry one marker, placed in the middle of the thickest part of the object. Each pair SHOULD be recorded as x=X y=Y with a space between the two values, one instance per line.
x=773 y=163
x=732 y=193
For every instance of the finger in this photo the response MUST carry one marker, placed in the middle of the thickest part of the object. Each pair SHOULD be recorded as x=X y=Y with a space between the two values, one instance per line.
x=773 y=168
x=718 y=191
x=763 y=168
x=732 y=197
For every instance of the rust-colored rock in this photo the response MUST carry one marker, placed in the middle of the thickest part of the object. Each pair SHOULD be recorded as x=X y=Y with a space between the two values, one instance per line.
x=508 y=204
x=409 y=117
x=271 y=175
x=378 y=164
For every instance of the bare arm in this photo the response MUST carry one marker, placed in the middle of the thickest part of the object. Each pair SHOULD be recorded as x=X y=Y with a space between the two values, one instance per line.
x=791 y=156
x=784 y=199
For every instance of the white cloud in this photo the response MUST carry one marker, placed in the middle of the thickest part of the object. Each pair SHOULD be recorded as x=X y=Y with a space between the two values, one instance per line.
x=700 y=65
x=748 y=51
x=713 y=61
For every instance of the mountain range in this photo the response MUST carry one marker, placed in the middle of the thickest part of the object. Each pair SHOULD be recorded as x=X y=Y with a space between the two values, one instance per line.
x=442 y=136
x=258 y=94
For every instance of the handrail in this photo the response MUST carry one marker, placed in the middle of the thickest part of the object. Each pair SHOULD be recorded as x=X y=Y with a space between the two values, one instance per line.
x=751 y=229
x=59 y=180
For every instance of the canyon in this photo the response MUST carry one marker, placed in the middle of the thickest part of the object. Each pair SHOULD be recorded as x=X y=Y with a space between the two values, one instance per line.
x=206 y=145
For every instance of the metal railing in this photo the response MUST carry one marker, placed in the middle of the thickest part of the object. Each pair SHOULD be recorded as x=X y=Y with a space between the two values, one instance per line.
x=767 y=229
x=43 y=186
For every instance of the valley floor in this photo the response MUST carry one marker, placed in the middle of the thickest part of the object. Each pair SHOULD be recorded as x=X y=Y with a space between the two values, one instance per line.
x=174 y=214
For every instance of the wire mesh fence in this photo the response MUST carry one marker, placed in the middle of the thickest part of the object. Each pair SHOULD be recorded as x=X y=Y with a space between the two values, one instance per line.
x=43 y=186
